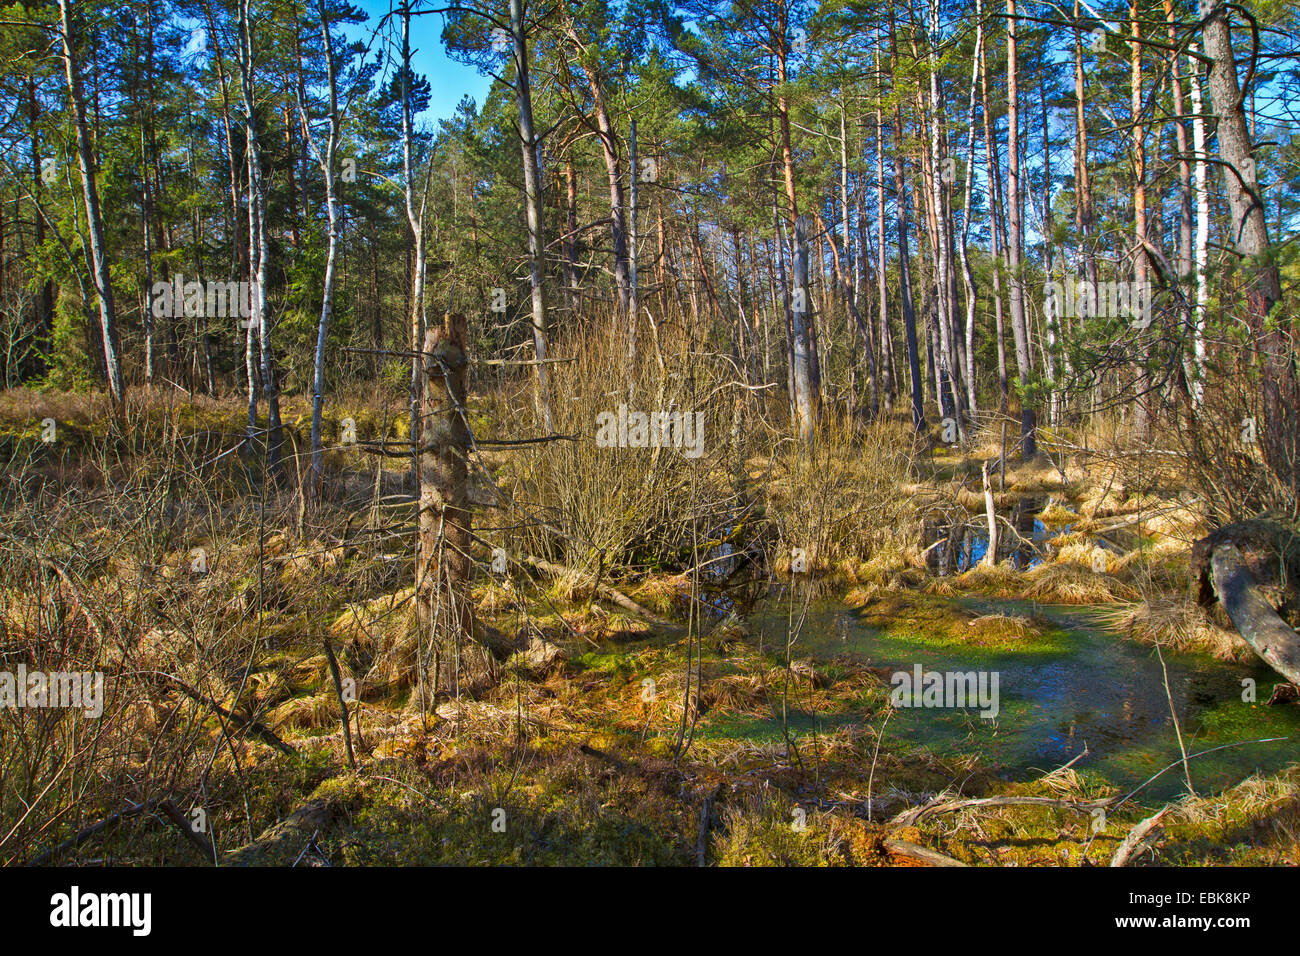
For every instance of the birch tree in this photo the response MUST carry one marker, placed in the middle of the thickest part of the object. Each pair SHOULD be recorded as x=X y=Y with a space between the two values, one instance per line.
x=259 y=327
x=414 y=222
x=94 y=221
x=326 y=160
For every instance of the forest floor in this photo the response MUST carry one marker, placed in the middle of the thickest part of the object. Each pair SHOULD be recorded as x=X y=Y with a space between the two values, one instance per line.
x=606 y=738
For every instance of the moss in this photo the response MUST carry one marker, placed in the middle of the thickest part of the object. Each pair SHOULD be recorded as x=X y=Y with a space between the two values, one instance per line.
x=615 y=665
x=531 y=811
x=936 y=621
x=777 y=834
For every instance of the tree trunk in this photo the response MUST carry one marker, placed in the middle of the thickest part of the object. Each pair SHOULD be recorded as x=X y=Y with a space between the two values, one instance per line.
x=1051 y=318
x=1141 y=258
x=45 y=297
x=991 y=516
x=1202 y=235
x=94 y=221
x=327 y=293
x=942 y=226
x=1016 y=281
x=533 y=211
x=633 y=310
x=1256 y=621
x=1249 y=231
x=905 y=282
x=996 y=231
x=442 y=564
x=800 y=308
x=846 y=228
x=416 y=224
x=571 y=232
x=259 y=245
x=886 y=339
x=1082 y=174
x=1185 y=255
x=968 y=276
x=809 y=322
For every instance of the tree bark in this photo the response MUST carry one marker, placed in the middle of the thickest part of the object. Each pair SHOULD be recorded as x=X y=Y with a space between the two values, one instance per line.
x=327 y=293
x=1249 y=233
x=968 y=276
x=259 y=247
x=800 y=309
x=1201 y=241
x=905 y=282
x=1016 y=281
x=415 y=222
x=996 y=230
x=442 y=564
x=1141 y=258
x=533 y=211
x=1185 y=255
x=609 y=151
x=886 y=339
x=94 y=221
x=942 y=225
x=1270 y=637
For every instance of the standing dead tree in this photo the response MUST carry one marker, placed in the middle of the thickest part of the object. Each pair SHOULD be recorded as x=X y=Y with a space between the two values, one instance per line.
x=442 y=561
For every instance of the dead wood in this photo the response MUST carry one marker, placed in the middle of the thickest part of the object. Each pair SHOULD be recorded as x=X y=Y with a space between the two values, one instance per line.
x=1255 y=619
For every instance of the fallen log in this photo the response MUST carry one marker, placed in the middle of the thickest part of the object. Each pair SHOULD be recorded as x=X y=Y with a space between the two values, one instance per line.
x=913 y=816
x=278 y=845
x=1270 y=637
x=255 y=726
x=1139 y=837
x=924 y=854
x=169 y=810
x=108 y=823
x=1271 y=552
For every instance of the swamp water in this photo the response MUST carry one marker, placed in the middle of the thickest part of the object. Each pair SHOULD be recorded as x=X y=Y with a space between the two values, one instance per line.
x=1024 y=539
x=1089 y=687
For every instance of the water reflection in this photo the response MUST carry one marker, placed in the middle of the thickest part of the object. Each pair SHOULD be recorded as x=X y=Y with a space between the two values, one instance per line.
x=1098 y=691
x=955 y=545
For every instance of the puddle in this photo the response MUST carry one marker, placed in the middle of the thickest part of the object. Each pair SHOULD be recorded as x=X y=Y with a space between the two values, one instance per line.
x=1092 y=688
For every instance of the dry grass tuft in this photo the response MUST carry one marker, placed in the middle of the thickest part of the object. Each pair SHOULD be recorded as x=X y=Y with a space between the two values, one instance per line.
x=1177 y=622
x=1070 y=584
x=1003 y=625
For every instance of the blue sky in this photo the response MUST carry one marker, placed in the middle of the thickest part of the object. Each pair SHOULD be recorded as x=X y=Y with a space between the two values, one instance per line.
x=448 y=80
